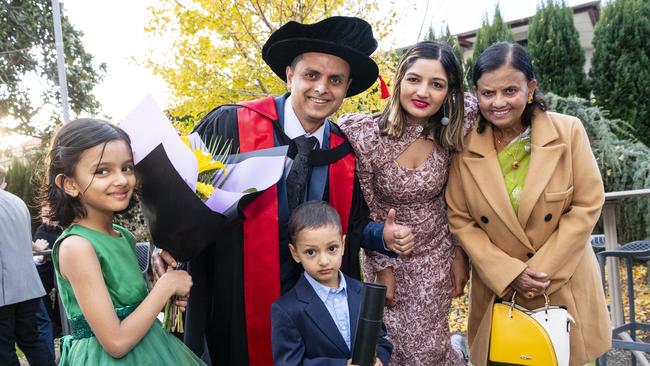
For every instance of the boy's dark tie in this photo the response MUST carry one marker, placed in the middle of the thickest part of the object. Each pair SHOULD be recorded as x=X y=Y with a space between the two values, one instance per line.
x=299 y=173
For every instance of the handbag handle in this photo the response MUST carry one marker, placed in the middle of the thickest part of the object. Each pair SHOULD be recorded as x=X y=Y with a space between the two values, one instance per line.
x=512 y=303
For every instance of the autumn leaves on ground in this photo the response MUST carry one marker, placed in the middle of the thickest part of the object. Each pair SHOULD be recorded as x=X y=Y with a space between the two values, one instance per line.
x=458 y=315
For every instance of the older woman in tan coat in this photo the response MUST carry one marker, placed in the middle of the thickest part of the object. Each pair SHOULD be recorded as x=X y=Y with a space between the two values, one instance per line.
x=523 y=198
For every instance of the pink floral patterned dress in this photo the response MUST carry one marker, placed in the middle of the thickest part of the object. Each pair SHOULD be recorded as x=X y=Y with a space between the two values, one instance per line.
x=418 y=323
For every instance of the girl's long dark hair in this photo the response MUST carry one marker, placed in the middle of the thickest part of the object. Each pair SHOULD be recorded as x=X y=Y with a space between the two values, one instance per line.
x=65 y=152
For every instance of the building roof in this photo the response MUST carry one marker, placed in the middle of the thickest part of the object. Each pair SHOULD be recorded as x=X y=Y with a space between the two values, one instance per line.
x=585 y=17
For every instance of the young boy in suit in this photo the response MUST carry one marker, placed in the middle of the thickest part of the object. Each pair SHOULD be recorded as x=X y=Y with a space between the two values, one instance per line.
x=315 y=322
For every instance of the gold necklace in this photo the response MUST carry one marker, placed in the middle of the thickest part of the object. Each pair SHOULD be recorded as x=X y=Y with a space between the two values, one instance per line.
x=515 y=163
x=500 y=140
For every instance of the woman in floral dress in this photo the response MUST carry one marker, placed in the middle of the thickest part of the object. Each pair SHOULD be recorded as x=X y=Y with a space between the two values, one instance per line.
x=403 y=157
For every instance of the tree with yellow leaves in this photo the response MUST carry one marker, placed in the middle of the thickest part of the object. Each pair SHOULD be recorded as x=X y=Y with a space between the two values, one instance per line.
x=216 y=53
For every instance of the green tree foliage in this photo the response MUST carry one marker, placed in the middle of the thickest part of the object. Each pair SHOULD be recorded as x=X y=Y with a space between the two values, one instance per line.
x=19 y=179
x=446 y=37
x=624 y=164
x=27 y=52
x=620 y=71
x=488 y=34
x=24 y=177
x=431 y=34
x=554 y=44
x=500 y=30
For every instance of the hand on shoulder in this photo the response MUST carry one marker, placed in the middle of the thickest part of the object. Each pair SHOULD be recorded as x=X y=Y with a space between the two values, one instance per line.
x=353 y=120
x=360 y=129
x=472 y=113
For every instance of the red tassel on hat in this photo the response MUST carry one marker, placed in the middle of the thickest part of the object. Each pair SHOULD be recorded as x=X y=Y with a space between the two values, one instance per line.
x=384 y=89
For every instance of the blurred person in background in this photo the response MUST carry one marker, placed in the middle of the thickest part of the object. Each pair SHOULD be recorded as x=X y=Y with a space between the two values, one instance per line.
x=21 y=289
x=48 y=318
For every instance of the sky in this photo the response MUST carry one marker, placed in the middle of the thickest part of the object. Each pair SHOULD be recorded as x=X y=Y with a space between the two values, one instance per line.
x=114 y=34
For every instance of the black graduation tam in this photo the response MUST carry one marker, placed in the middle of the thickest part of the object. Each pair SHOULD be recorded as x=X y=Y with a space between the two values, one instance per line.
x=349 y=38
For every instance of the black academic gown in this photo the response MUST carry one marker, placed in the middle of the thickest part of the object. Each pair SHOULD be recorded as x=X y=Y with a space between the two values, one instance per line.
x=216 y=305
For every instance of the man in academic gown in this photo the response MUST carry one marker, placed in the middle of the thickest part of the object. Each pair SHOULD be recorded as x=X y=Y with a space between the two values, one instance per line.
x=236 y=280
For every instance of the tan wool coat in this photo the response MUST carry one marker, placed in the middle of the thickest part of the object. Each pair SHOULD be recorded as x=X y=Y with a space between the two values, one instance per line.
x=560 y=204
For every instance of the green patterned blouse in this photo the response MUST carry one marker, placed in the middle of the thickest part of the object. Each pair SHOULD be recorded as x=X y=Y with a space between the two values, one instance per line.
x=514 y=160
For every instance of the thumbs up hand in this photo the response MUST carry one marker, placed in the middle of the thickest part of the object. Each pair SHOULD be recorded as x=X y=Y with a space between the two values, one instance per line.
x=398 y=238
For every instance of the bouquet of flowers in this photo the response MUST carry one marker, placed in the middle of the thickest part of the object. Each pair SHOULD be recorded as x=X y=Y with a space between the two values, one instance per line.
x=189 y=190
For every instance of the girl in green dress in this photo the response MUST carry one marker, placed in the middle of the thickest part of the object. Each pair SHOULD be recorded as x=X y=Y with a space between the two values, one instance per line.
x=112 y=318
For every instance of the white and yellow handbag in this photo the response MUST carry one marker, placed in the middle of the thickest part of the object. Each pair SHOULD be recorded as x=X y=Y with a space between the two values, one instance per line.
x=537 y=337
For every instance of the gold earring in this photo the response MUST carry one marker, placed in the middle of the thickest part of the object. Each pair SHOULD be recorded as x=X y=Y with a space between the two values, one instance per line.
x=530 y=99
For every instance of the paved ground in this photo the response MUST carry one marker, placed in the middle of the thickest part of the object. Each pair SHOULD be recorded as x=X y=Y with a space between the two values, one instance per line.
x=614 y=358
x=620 y=358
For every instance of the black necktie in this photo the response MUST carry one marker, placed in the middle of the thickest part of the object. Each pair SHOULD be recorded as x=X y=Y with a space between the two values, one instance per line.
x=299 y=173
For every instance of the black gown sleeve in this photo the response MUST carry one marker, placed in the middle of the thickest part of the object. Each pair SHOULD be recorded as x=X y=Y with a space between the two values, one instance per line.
x=220 y=122
x=359 y=219
x=215 y=313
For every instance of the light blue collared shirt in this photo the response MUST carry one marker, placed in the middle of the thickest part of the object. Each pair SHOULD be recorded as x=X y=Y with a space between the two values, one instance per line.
x=336 y=302
x=293 y=128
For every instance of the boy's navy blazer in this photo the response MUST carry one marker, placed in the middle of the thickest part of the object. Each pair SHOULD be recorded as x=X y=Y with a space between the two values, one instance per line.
x=304 y=333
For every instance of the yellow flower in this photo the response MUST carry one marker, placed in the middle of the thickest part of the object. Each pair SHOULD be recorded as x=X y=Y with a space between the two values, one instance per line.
x=204 y=158
x=204 y=190
x=206 y=164
x=186 y=141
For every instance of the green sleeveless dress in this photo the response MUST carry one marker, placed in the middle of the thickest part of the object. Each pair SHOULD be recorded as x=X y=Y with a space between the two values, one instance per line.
x=127 y=289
